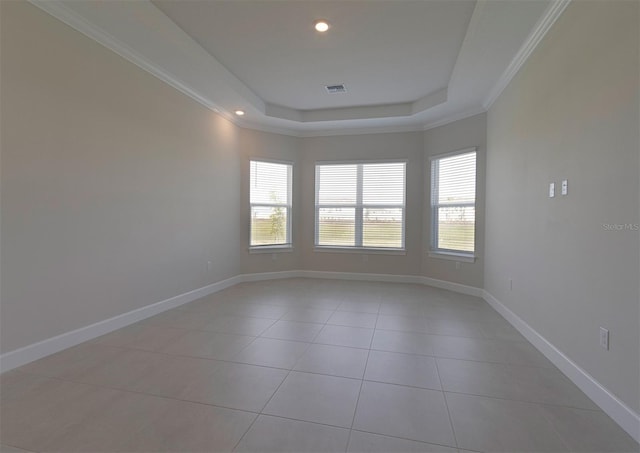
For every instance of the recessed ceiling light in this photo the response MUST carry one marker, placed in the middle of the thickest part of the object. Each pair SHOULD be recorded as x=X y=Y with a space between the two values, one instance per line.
x=321 y=26
x=240 y=112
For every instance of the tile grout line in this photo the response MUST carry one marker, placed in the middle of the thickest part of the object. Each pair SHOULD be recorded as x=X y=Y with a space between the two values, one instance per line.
x=140 y=392
x=19 y=448
x=499 y=398
x=274 y=393
x=364 y=372
x=154 y=395
x=555 y=430
x=309 y=344
x=444 y=396
x=406 y=438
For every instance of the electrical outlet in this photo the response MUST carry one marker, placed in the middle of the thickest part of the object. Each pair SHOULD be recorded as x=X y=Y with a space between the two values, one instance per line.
x=457 y=264
x=604 y=338
x=564 y=189
x=510 y=285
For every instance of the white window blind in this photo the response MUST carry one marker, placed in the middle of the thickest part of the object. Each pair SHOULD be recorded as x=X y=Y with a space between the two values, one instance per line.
x=453 y=203
x=360 y=205
x=270 y=200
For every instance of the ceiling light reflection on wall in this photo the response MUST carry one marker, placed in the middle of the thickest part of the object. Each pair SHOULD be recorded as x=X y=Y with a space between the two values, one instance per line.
x=321 y=26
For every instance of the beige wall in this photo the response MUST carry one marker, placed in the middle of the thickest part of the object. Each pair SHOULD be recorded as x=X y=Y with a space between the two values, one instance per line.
x=116 y=188
x=268 y=146
x=572 y=112
x=403 y=146
x=414 y=147
x=467 y=133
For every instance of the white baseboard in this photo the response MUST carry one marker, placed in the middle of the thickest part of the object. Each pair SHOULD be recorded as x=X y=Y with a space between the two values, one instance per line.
x=268 y=276
x=628 y=419
x=392 y=278
x=359 y=276
x=455 y=287
x=622 y=414
x=35 y=351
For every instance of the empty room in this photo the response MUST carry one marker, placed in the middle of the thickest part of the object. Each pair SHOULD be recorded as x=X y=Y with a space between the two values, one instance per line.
x=320 y=226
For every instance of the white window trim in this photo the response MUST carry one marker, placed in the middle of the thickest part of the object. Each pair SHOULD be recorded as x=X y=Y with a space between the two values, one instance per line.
x=360 y=250
x=449 y=254
x=273 y=248
x=358 y=207
x=453 y=256
x=454 y=153
x=257 y=249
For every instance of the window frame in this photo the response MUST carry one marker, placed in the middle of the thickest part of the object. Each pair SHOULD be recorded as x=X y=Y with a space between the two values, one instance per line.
x=287 y=246
x=359 y=207
x=435 y=251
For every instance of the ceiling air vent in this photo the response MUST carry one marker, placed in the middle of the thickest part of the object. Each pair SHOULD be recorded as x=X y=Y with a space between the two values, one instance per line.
x=332 y=89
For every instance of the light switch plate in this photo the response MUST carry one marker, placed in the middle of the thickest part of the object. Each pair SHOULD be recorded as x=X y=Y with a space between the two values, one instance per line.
x=552 y=190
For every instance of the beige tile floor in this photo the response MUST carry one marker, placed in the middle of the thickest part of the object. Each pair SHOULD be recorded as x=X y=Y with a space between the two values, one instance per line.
x=306 y=366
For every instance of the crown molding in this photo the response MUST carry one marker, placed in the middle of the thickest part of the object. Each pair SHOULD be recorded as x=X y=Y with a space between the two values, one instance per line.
x=79 y=23
x=181 y=63
x=189 y=86
x=361 y=131
x=260 y=127
x=454 y=118
x=329 y=132
x=404 y=109
x=535 y=37
x=469 y=37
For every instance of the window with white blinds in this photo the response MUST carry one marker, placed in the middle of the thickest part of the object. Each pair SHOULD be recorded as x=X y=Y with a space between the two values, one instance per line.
x=453 y=203
x=360 y=205
x=270 y=200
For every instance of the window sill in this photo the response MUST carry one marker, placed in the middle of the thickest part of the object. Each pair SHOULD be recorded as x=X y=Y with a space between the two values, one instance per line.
x=359 y=250
x=453 y=256
x=271 y=249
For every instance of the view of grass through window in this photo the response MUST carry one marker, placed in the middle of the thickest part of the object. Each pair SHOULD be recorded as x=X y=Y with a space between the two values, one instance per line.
x=360 y=205
x=270 y=198
x=453 y=196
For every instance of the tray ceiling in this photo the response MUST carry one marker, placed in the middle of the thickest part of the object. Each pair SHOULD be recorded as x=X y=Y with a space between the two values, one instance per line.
x=407 y=65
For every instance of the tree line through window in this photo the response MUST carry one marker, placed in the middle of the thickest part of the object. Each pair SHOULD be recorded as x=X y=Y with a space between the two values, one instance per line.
x=363 y=204
x=270 y=199
x=453 y=203
x=360 y=205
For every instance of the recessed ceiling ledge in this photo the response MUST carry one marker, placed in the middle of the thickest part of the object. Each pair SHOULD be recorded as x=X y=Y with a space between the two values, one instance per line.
x=357 y=113
x=158 y=46
x=345 y=113
x=143 y=34
x=430 y=100
x=285 y=113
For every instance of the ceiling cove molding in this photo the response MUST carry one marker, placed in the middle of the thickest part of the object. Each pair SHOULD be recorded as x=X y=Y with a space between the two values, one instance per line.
x=329 y=132
x=260 y=127
x=470 y=35
x=537 y=34
x=454 y=118
x=87 y=27
x=358 y=112
x=95 y=31
x=361 y=131
x=78 y=23
x=430 y=100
